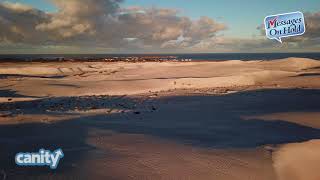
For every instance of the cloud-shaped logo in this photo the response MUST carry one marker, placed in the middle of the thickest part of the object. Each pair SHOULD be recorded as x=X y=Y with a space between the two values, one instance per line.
x=284 y=25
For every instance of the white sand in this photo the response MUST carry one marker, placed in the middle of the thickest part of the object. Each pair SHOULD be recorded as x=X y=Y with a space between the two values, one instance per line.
x=24 y=82
x=93 y=78
x=298 y=161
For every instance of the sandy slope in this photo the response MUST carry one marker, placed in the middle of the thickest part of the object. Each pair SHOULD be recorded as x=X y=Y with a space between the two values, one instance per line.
x=298 y=161
x=170 y=120
x=68 y=79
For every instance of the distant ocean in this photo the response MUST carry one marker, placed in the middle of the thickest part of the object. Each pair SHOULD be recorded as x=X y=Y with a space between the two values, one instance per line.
x=194 y=57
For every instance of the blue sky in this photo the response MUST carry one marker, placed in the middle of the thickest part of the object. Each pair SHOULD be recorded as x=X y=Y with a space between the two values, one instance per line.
x=207 y=26
x=242 y=17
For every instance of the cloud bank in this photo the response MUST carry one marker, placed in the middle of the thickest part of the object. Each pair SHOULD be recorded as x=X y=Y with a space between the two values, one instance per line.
x=103 y=24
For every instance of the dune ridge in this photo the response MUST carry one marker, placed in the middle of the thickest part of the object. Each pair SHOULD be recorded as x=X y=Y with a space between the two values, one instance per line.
x=135 y=78
x=169 y=120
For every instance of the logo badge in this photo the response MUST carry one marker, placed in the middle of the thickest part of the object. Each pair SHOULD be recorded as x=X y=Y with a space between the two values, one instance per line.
x=284 y=25
x=41 y=158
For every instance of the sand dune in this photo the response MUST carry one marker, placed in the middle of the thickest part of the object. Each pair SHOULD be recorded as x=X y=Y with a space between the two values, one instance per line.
x=298 y=161
x=98 y=78
x=170 y=120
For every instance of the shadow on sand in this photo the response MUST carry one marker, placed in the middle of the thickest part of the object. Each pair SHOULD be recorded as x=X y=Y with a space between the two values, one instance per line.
x=203 y=121
x=11 y=93
x=6 y=76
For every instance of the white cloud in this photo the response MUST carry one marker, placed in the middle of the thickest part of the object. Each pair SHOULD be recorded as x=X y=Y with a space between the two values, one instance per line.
x=103 y=24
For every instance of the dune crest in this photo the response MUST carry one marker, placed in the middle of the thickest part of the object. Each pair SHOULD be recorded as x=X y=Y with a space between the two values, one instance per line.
x=298 y=161
x=120 y=78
